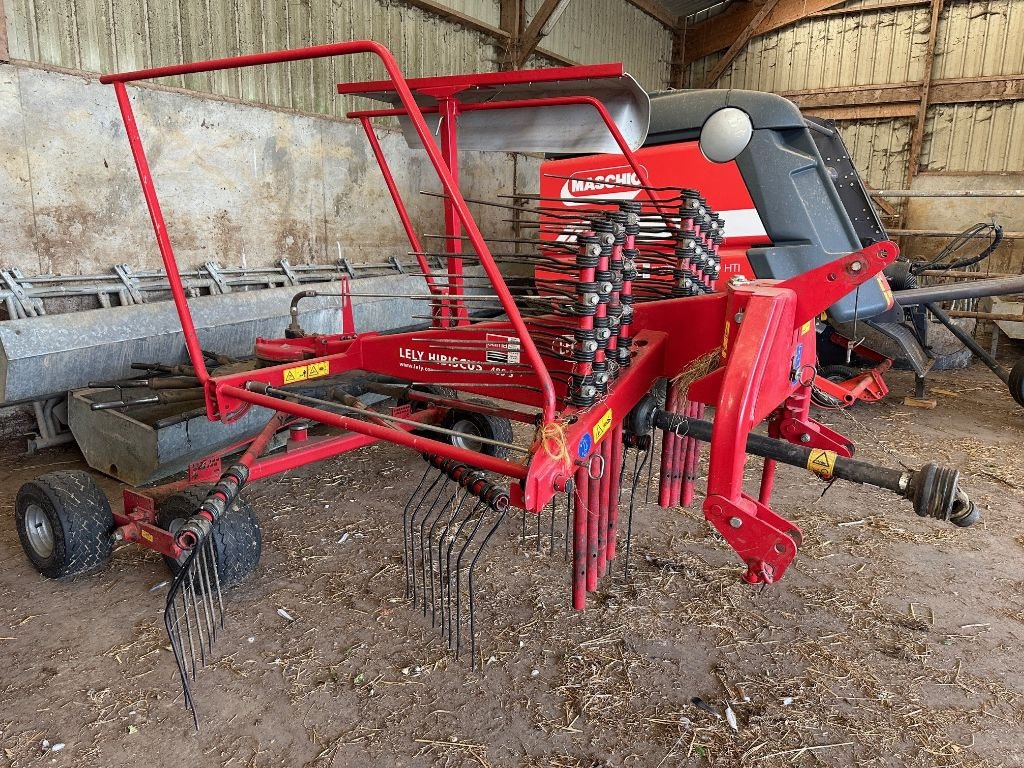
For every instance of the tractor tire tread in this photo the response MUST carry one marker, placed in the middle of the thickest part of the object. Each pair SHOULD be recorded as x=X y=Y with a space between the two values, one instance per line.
x=85 y=541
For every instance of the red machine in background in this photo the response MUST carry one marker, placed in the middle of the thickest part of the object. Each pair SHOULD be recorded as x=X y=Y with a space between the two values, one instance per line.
x=626 y=303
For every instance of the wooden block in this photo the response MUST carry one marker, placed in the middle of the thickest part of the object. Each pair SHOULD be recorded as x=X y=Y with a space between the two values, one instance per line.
x=913 y=402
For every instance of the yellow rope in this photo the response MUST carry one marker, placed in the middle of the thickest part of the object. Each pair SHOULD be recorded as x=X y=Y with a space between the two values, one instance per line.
x=552 y=440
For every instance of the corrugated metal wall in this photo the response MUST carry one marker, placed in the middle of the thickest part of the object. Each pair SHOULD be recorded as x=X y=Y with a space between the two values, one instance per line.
x=109 y=35
x=975 y=38
x=597 y=31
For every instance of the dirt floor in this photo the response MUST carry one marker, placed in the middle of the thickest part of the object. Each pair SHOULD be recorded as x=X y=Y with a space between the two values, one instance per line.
x=892 y=641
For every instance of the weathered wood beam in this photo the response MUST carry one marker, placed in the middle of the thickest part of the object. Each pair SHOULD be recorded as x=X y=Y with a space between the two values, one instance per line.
x=862 y=112
x=895 y=5
x=511 y=20
x=917 y=139
x=739 y=43
x=677 y=68
x=656 y=11
x=907 y=96
x=535 y=31
x=476 y=25
x=457 y=18
x=718 y=32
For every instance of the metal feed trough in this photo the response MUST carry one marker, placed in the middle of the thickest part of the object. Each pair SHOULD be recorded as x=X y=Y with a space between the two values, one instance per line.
x=575 y=353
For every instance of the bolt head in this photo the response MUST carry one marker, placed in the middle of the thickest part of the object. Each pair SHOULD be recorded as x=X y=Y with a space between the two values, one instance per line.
x=856 y=266
x=735 y=522
x=805 y=438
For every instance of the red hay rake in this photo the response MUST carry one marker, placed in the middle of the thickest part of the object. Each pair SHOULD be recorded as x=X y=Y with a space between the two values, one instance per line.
x=627 y=298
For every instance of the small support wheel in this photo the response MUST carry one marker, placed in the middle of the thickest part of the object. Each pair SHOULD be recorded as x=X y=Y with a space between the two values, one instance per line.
x=237 y=538
x=64 y=523
x=1016 y=382
x=473 y=424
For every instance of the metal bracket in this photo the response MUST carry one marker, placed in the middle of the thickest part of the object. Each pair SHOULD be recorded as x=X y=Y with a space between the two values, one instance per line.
x=25 y=306
x=212 y=268
x=290 y=273
x=397 y=264
x=124 y=272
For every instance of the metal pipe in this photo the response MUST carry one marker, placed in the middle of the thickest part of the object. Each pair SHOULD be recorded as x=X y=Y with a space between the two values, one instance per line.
x=944 y=233
x=948 y=193
x=1000 y=286
x=995 y=316
x=968 y=341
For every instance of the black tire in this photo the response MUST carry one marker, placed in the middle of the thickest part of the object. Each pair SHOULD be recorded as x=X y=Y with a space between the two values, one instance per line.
x=837 y=374
x=64 y=523
x=237 y=538
x=482 y=424
x=1016 y=382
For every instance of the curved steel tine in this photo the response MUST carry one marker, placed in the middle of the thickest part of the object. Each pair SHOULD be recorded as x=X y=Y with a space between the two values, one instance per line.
x=216 y=580
x=472 y=566
x=204 y=588
x=406 y=531
x=568 y=517
x=412 y=531
x=188 y=626
x=190 y=586
x=477 y=508
x=458 y=580
x=450 y=504
x=423 y=536
x=638 y=466
x=441 y=577
x=178 y=588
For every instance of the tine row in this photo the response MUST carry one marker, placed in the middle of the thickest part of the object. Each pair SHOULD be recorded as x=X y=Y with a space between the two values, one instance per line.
x=192 y=615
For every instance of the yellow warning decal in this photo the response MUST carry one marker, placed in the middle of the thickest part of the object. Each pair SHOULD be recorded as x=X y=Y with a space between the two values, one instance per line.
x=603 y=425
x=822 y=462
x=806 y=328
x=303 y=372
x=146 y=534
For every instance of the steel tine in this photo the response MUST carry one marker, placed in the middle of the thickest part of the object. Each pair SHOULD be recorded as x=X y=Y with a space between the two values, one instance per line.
x=216 y=581
x=442 y=575
x=413 y=527
x=538 y=530
x=423 y=536
x=551 y=533
x=207 y=587
x=477 y=508
x=177 y=646
x=450 y=504
x=188 y=625
x=204 y=589
x=458 y=580
x=568 y=518
x=190 y=586
x=411 y=580
x=522 y=538
x=405 y=525
x=638 y=465
x=472 y=567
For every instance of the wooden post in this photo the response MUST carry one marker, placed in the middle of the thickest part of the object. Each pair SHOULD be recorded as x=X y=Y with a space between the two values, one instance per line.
x=914 y=161
x=512 y=13
x=677 y=71
x=739 y=43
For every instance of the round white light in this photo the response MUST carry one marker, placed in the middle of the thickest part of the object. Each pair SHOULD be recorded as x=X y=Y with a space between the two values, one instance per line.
x=725 y=134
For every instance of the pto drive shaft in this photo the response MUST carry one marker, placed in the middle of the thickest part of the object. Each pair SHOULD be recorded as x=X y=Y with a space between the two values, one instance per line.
x=933 y=490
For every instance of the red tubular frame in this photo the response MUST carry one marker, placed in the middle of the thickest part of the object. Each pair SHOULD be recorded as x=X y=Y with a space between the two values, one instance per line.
x=768 y=326
x=414 y=113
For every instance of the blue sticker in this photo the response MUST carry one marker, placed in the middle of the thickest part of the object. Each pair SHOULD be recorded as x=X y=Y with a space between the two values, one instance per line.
x=586 y=443
x=797 y=359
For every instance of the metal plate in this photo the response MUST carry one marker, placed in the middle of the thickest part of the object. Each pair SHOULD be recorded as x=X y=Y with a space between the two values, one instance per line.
x=567 y=129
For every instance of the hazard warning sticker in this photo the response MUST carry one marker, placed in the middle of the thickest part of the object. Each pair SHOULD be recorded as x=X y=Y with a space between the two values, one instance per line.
x=602 y=426
x=304 y=372
x=822 y=462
